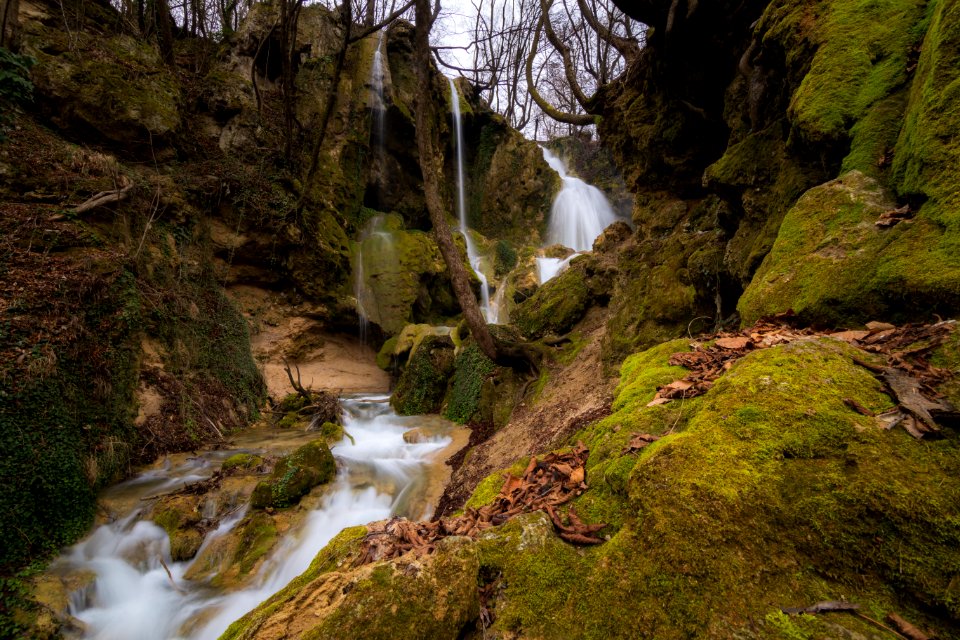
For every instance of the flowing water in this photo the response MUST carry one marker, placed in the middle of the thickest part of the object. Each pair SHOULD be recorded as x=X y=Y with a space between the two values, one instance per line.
x=132 y=596
x=579 y=214
x=378 y=104
x=472 y=255
x=376 y=248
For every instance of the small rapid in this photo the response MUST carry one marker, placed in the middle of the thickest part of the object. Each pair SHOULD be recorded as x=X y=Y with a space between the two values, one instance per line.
x=140 y=593
x=579 y=214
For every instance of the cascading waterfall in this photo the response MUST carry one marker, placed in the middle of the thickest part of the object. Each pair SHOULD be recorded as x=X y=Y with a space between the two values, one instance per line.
x=134 y=598
x=472 y=255
x=579 y=214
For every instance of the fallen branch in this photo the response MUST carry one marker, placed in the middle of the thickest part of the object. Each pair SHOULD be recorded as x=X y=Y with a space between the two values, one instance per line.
x=105 y=197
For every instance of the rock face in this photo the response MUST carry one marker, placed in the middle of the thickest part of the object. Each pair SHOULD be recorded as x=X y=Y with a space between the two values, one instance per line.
x=723 y=123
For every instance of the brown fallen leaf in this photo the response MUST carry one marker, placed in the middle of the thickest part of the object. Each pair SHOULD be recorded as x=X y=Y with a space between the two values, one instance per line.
x=877 y=327
x=850 y=336
x=740 y=342
x=658 y=401
x=639 y=441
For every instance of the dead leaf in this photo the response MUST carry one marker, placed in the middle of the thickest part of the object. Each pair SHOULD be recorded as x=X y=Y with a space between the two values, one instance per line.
x=740 y=342
x=877 y=327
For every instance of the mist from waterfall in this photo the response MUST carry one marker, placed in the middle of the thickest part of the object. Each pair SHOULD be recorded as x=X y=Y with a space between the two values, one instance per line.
x=472 y=256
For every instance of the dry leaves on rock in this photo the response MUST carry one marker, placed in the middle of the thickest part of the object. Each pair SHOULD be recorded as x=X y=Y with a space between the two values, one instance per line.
x=546 y=484
x=709 y=362
x=907 y=374
x=639 y=441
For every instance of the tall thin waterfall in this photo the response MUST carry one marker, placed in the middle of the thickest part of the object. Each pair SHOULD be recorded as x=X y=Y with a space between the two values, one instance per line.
x=378 y=105
x=579 y=215
x=472 y=256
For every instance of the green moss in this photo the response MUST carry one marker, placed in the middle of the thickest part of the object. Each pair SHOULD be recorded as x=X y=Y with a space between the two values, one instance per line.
x=433 y=600
x=832 y=265
x=385 y=355
x=257 y=535
x=422 y=384
x=331 y=432
x=555 y=307
x=862 y=58
x=768 y=490
x=489 y=487
x=470 y=371
x=294 y=476
x=241 y=461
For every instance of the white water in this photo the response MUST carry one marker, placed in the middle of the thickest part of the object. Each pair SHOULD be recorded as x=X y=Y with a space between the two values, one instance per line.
x=579 y=214
x=472 y=255
x=378 y=106
x=132 y=597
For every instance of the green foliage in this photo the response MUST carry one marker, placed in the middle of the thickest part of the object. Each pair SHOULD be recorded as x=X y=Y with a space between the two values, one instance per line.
x=15 y=84
x=422 y=384
x=471 y=369
x=66 y=429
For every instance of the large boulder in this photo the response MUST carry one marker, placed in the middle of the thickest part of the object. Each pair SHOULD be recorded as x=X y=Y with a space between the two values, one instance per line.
x=294 y=476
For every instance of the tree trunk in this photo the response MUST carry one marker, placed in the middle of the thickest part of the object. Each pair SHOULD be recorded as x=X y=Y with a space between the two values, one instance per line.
x=9 y=24
x=431 y=186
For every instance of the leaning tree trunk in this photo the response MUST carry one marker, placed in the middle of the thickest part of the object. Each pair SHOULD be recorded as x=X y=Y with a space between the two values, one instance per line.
x=431 y=186
x=9 y=24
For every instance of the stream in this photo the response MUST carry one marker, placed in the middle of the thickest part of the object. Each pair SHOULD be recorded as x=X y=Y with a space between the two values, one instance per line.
x=132 y=597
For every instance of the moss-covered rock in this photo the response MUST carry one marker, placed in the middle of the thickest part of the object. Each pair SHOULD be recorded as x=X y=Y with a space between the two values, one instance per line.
x=404 y=277
x=423 y=383
x=241 y=463
x=471 y=371
x=115 y=85
x=179 y=517
x=556 y=305
x=768 y=489
x=832 y=265
x=294 y=476
x=429 y=597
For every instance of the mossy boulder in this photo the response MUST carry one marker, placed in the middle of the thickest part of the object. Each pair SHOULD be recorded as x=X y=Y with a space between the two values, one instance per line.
x=115 y=85
x=767 y=490
x=294 y=476
x=232 y=559
x=556 y=305
x=434 y=596
x=831 y=264
x=423 y=383
x=179 y=517
x=241 y=463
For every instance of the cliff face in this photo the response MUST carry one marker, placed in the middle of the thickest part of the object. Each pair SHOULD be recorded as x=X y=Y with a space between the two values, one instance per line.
x=726 y=120
x=121 y=340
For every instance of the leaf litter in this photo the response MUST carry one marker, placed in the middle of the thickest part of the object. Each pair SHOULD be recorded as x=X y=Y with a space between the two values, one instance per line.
x=546 y=484
x=906 y=372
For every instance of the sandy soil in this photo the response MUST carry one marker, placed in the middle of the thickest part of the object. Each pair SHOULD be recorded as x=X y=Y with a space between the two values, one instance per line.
x=575 y=395
x=328 y=361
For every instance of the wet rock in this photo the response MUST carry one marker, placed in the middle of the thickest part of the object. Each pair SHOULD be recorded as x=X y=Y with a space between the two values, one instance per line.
x=294 y=476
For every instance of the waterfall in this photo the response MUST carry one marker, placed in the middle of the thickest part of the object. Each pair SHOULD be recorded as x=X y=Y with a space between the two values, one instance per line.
x=375 y=247
x=472 y=256
x=133 y=597
x=378 y=105
x=579 y=215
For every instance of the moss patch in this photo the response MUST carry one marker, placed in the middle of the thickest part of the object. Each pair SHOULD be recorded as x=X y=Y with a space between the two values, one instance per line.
x=470 y=371
x=294 y=476
x=423 y=383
